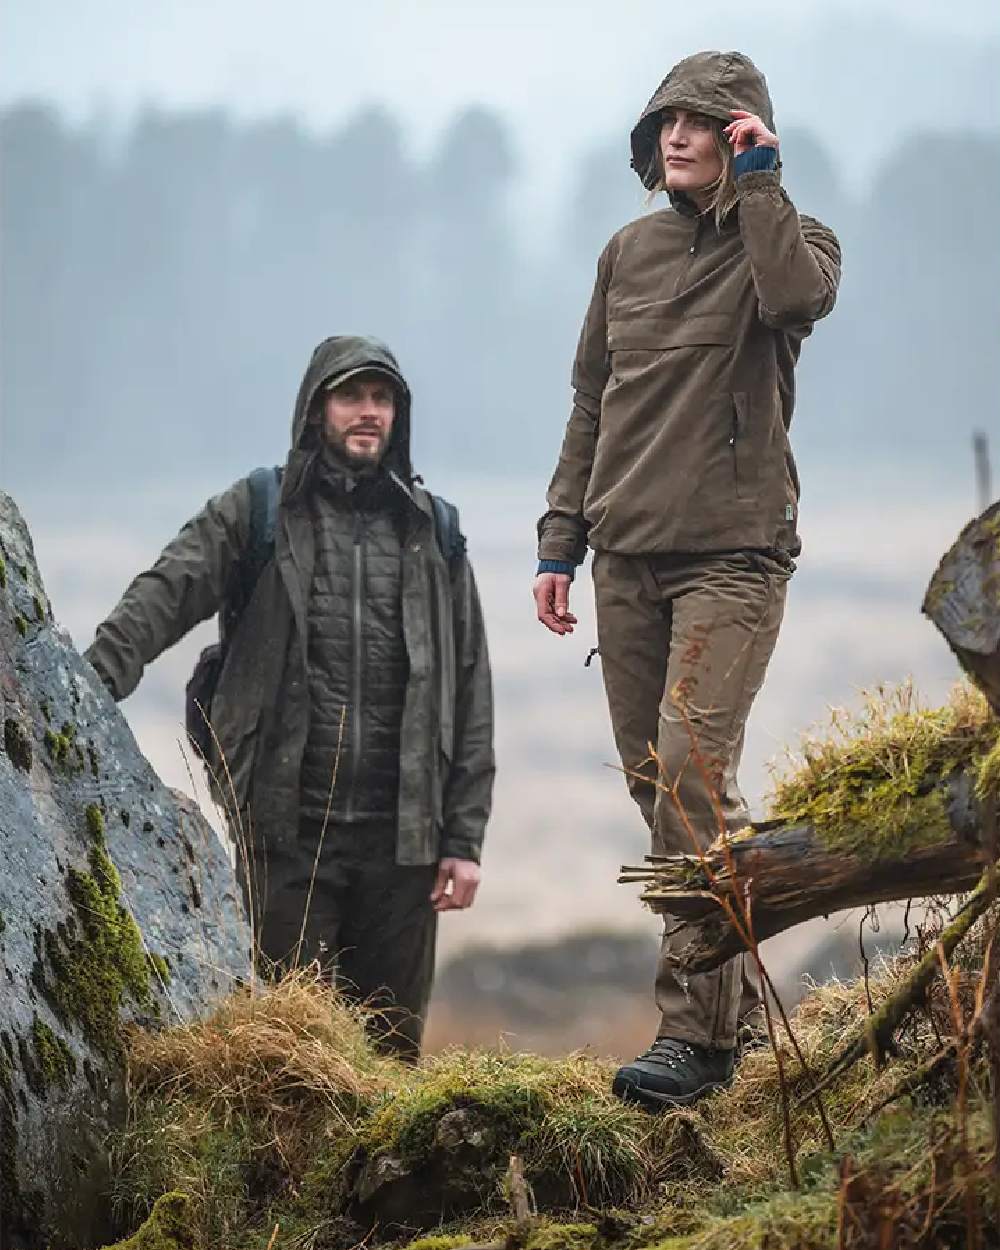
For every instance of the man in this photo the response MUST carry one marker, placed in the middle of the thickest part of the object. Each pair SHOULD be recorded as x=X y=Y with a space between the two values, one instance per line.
x=352 y=714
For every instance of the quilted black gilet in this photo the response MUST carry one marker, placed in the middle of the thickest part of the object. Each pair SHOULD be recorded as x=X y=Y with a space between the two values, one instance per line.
x=358 y=665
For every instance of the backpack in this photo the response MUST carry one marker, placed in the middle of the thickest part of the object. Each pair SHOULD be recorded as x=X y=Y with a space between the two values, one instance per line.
x=264 y=490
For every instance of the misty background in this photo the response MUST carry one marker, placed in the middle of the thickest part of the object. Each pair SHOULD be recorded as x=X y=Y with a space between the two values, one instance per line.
x=192 y=196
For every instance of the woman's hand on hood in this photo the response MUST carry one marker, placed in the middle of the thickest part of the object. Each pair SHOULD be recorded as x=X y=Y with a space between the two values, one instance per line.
x=748 y=131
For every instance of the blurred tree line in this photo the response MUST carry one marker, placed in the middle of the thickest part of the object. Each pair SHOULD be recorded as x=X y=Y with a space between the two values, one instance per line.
x=160 y=293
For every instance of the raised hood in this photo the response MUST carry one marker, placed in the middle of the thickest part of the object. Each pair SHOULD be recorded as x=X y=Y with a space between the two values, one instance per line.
x=708 y=82
x=336 y=358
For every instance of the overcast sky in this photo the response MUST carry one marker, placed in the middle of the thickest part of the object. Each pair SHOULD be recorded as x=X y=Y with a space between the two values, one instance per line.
x=566 y=74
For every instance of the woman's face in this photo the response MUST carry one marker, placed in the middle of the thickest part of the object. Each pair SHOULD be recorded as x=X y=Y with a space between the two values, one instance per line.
x=691 y=161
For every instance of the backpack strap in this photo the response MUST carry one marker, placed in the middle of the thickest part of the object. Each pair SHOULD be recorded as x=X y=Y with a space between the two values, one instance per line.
x=264 y=490
x=448 y=531
x=264 y=484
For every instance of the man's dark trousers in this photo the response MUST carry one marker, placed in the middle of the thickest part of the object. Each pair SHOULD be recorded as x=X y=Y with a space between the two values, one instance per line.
x=370 y=925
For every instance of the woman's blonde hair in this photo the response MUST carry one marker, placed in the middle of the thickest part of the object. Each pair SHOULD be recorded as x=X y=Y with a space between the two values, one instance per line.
x=722 y=195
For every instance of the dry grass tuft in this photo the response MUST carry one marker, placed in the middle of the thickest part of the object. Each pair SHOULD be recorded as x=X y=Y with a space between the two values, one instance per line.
x=286 y=1045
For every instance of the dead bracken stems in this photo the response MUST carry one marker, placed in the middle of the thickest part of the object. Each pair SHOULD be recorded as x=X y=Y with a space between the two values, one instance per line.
x=962 y=1047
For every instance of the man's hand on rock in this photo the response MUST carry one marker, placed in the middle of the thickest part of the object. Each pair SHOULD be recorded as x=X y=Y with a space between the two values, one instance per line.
x=456 y=884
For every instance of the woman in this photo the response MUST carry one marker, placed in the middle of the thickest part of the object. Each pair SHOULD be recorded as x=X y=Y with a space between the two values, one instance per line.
x=676 y=470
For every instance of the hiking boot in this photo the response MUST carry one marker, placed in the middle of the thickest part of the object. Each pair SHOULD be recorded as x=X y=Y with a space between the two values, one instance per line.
x=673 y=1073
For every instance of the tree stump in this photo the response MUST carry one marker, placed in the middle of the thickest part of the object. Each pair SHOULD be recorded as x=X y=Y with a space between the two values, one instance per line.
x=963 y=601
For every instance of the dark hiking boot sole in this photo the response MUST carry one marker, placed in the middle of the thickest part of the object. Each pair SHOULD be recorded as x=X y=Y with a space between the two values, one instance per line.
x=628 y=1090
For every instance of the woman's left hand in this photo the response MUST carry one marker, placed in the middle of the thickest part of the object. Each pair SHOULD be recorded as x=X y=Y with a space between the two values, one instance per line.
x=747 y=132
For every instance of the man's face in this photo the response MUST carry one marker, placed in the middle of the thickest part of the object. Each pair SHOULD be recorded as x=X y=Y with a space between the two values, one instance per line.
x=358 y=417
x=691 y=161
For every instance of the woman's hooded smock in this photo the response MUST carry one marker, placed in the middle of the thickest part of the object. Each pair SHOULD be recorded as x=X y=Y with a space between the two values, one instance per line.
x=684 y=373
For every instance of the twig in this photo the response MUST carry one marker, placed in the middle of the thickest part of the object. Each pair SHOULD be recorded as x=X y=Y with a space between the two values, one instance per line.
x=962 y=1044
x=517 y=1190
x=876 y=1032
x=869 y=911
x=322 y=836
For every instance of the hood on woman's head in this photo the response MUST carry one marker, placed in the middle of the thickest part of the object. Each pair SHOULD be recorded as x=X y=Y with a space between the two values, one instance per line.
x=708 y=82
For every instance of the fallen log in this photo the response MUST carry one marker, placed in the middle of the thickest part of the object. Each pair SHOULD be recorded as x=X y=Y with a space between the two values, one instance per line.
x=791 y=873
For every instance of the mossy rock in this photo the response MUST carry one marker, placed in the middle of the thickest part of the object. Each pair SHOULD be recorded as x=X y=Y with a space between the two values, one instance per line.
x=169 y=1227
x=92 y=967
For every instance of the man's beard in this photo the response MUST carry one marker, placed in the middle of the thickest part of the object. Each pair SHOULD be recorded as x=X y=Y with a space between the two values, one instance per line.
x=337 y=443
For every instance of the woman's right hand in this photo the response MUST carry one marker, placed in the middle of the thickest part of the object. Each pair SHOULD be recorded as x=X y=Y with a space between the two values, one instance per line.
x=551 y=591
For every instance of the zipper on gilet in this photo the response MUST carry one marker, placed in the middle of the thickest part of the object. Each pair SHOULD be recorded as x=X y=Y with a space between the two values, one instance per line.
x=357 y=656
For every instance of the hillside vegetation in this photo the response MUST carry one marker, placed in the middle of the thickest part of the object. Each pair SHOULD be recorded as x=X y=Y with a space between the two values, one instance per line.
x=273 y=1124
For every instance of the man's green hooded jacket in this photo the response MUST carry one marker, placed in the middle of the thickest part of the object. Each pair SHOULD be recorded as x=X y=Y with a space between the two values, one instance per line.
x=260 y=711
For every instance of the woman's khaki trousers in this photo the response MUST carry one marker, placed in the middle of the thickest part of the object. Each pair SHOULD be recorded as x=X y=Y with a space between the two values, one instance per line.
x=685 y=642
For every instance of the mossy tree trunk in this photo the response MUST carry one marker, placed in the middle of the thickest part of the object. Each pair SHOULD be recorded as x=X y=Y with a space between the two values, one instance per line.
x=792 y=873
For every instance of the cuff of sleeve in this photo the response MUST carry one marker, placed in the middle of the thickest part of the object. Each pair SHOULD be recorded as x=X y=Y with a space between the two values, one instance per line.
x=460 y=848
x=758 y=160
x=557 y=566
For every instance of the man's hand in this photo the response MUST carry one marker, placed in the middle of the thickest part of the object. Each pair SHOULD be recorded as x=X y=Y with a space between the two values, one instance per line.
x=551 y=591
x=456 y=884
x=747 y=132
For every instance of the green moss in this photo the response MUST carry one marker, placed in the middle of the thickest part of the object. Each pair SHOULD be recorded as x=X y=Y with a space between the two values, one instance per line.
x=559 y=1115
x=439 y=1243
x=95 y=823
x=3 y=573
x=98 y=963
x=55 y=1061
x=408 y=1125
x=39 y=607
x=169 y=1227
x=20 y=624
x=63 y=748
x=46 y=710
x=9 y=1185
x=17 y=744
x=229 y=1164
x=552 y=1236
x=160 y=968
x=874 y=786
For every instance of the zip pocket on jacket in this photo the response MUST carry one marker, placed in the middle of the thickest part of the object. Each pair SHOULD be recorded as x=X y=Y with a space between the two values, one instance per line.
x=745 y=469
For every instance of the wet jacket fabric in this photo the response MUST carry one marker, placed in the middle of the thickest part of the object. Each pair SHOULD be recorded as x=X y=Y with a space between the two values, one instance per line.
x=357 y=664
x=684 y=374
x=261 y=707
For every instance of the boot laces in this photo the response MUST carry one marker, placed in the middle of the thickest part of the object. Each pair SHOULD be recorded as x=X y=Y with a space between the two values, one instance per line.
x=670 y=1051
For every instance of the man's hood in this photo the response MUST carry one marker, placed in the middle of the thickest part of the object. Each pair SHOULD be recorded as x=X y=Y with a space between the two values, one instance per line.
x=708 y=82
x=334 y=359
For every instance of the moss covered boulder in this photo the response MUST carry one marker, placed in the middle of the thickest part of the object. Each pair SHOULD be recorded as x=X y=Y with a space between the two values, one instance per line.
x=117 y=904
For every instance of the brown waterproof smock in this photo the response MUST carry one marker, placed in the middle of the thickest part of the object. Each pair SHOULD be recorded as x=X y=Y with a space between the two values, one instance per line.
x=684 y=373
